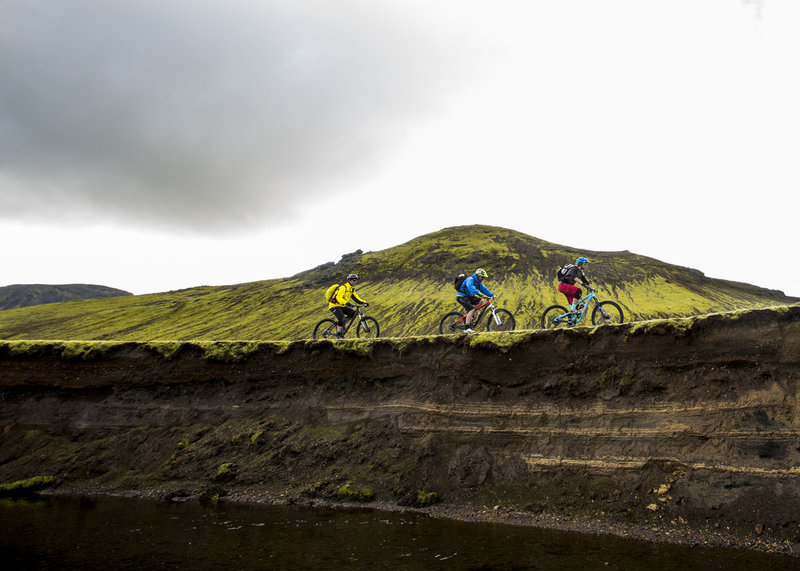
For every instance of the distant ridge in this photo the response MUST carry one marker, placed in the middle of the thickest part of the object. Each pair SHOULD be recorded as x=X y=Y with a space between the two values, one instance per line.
x=26 y=295
x=409 y=288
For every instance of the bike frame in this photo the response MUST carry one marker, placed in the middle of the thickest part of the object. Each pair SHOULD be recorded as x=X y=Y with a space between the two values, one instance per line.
x=348 y=321
x=479 y=314
x=603 y=313
x=574 y=319
x=327 y=328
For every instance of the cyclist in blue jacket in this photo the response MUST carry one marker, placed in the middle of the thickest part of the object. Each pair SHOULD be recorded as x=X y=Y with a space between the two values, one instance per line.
x=468 y=295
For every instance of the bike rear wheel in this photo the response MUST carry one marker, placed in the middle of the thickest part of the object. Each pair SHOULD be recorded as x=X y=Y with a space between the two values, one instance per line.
x=507 y=322
x=325 y=329
x=551 y=315
x=368 y=328
x=607 y=313
x=448 y=323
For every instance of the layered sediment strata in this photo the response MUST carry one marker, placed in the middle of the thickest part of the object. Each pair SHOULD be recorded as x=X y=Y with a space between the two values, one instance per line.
x=669 y=423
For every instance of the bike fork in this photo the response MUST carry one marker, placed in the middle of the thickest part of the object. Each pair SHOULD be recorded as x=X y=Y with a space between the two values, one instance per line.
x=602 y=312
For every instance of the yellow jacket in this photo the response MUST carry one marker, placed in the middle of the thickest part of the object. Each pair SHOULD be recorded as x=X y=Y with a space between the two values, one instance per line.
x=342 y=296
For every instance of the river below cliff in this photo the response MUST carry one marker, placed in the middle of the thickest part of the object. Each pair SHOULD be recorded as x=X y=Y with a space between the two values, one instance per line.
x=69 y=532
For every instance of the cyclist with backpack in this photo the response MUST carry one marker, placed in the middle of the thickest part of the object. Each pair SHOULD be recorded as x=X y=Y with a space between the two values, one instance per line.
x=570 y=278
x=468 y=294
x=338 y=297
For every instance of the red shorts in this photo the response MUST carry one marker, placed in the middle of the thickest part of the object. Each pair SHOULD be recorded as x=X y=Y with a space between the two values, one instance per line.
x=568 y=290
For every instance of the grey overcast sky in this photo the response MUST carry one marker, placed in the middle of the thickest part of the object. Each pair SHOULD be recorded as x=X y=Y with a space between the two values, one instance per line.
x=156 y=145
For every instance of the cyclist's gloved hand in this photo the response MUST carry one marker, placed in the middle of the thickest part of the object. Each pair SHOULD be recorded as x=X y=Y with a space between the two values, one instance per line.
x=366 y=304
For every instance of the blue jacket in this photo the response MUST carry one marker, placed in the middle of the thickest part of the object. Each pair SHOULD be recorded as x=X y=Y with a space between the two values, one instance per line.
x=473 y=286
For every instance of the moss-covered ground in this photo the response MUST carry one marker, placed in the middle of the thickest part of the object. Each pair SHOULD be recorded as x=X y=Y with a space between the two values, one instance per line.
x=409 y=288
x=235 y=351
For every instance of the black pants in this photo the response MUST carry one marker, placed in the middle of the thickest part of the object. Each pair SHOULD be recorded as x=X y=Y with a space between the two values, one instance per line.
x=468 y=301
x=341 y=312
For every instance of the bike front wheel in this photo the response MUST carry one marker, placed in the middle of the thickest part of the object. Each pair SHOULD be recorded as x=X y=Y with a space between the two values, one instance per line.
x=554 y=316
x=450 y=323
x=506 y=319
x=368 y=328
x=607 y=313
x=325 y=329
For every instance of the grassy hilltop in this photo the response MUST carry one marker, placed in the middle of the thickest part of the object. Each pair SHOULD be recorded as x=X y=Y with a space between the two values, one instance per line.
x=409 y=288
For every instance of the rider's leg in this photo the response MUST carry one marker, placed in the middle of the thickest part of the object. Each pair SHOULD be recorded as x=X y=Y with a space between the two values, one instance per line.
x=576 y=297
x=349 y=313
x=468 y=318
x=474 y=302
x=338 y=312
x=469 y=306
x=570 y=292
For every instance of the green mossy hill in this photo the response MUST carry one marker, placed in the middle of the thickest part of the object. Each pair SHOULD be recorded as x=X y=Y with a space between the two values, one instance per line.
x=26 y=295
x=409 y=288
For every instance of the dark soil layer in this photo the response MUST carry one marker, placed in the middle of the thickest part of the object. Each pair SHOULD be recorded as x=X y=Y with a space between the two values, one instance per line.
x=671 y=430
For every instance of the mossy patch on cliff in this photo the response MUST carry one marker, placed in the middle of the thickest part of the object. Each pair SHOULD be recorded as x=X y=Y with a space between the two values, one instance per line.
x=28 y=486
x=418 y=498
x=352 y=493
x=86 y=350
x=238 y=351
x=502 y=341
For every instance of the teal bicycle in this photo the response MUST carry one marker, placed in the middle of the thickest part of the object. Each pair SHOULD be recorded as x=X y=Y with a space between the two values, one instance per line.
x=604 y=313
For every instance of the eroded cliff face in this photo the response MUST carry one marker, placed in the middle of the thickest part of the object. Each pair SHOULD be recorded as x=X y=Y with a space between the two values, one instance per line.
x=671 y=423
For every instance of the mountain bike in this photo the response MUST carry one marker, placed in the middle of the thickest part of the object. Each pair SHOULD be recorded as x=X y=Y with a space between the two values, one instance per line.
x=604 y=312
x=367 y=326
x=499 y=319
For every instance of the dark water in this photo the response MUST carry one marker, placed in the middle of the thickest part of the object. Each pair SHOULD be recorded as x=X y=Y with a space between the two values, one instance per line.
x=118 y=533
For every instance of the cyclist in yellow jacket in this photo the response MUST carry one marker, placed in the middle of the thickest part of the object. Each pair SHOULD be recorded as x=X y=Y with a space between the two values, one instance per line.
x=340 y=301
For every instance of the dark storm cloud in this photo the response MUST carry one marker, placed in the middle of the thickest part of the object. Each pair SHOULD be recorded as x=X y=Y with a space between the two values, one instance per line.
x=200 y=115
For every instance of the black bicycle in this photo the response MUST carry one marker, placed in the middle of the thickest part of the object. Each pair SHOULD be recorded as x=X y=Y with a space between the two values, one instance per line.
x=367 y=326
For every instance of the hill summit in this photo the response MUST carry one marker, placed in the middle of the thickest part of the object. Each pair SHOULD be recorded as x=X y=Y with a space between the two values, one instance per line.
x=409 y=288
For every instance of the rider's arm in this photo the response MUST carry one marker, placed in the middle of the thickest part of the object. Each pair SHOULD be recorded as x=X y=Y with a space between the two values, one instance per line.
x=485 y=290
x=358 y=299
x=474 y=287
x=339 y=297
x=469 y=286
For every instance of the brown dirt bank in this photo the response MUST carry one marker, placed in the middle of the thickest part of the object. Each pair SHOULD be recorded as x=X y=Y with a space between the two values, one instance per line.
x=682 y=430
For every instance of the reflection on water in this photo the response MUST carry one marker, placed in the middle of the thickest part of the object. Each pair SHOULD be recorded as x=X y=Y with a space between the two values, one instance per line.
x=118 y=533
